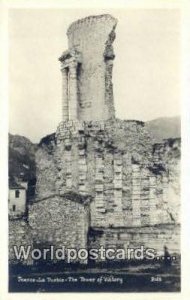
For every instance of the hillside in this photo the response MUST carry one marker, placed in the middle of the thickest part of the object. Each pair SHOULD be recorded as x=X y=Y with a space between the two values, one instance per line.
x=22 y=160
x=164 y=128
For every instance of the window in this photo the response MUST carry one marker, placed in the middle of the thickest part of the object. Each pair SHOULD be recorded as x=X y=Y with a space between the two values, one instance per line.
x=17 y=193
x=14 y=207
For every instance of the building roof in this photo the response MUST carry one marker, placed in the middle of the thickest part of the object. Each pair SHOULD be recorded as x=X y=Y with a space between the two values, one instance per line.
x=16 y=186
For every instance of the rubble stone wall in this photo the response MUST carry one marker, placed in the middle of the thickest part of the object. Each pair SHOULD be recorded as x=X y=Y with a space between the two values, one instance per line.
x=53 y=221
x=60 y=220
x=20 y=234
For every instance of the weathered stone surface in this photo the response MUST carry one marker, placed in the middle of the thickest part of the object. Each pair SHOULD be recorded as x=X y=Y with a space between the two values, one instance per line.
x=20 y=234
x=132 y=181
x=60 y=220
x=53 y=221
x=91 y=51
x=155 y=237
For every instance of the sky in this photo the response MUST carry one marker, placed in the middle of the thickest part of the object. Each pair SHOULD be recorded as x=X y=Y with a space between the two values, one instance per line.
x=146 y=72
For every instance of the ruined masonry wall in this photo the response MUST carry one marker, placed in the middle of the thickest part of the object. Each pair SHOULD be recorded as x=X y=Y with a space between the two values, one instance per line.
x=20 y=234
x=45 y=165
x=55 y=221
x=115 y=164
x=155 y=237
x=59 y=221
x=93 y=37
x=167 y=155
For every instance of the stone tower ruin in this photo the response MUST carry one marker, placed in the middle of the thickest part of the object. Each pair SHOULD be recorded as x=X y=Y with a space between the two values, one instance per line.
x=87 y=70
x=100 y=180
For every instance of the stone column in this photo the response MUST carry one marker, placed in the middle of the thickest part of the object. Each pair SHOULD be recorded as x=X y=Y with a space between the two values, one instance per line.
x=118 y=185
x=73 y=105
x=136 y=195
x=65 y=108
x=152 y=200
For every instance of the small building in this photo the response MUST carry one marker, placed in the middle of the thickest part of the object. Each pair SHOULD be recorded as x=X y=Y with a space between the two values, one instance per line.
x=17 y=199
